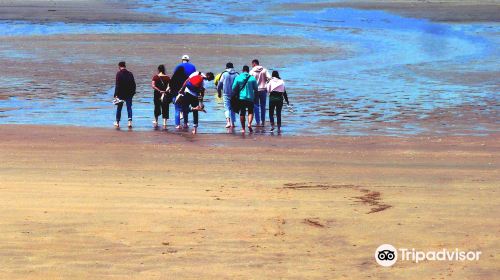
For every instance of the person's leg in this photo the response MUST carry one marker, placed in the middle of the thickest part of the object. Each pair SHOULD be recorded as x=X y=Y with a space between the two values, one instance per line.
x=256 y=109
x=279 y=107
x=194 y=103
x=233 y=117
x=129 y=111
x=263 y=99
x=272 y=105
x=164 y=109
x=185 y=110
x=177 y=117
x=227 y=109
x=242 y=115
x=118 y=114
x=157 y=111
x=165 y=113
x=250 y=117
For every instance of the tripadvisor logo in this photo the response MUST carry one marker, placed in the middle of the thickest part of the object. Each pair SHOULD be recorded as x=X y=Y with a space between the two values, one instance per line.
x=387 y=255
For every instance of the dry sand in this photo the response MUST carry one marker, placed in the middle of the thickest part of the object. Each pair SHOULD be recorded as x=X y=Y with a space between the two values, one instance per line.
x=79 y=203
x=435 y=10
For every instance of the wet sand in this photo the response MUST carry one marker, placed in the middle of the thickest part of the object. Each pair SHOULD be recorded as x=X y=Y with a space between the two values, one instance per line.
x=76 y=11
x=435 y=10
x=85 y=65
x=81 y=203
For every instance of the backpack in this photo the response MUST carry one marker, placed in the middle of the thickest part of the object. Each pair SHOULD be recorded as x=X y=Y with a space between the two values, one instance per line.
x=217 y=78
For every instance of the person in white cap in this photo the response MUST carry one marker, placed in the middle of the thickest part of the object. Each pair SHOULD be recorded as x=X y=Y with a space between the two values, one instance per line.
x=180 y=74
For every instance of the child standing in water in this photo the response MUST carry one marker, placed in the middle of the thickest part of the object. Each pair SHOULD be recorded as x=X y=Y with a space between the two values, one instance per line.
x=277 y=92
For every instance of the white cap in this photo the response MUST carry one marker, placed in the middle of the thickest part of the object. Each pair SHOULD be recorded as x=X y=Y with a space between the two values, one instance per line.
x=185 y=57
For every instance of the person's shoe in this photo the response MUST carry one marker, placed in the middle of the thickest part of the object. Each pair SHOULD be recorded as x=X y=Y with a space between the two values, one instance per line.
x=250 y=129
x=243 y=131
x=272 y=128
x=195 y=130
x=178 y=127
x=228 y=125
x=185 y=126
x=279 y=129
x=116 y=124
x=181 y=115
x=155 y=124
x=129 y=124
x=257 y=124
x=165 y=123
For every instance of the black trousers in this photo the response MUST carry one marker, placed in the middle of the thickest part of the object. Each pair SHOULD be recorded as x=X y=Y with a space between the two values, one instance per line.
x=190 y=100
x=161 y=108
x=278 y=106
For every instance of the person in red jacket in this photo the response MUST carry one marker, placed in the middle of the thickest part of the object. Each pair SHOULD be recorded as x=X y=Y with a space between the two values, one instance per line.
x=191 y=95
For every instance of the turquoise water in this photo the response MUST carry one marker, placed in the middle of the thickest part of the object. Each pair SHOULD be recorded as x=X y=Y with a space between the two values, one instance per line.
x=402 y=75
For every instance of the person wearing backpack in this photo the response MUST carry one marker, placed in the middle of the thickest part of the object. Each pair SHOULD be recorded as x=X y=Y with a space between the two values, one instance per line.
x=191 y=95
x=225 y=90
x=245 y=86
x=262 y=76
x=160 y=85
x=277 y=92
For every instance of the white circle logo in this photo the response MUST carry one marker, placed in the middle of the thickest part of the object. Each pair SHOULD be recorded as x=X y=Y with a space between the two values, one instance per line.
x=386 y=255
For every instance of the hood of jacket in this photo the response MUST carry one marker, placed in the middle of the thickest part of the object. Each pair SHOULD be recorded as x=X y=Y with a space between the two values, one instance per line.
x=258 y=68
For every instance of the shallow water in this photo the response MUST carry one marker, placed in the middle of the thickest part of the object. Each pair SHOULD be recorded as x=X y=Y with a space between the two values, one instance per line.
x=401 y=76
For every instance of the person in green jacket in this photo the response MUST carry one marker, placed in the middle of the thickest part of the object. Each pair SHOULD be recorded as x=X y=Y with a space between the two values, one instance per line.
x=247 y=87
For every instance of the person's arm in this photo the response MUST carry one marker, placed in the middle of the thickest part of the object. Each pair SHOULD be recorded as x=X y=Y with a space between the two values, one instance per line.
x=183 y=88
x=134 y=86
x=117 y=79
x=286 y=97
x=220 y=86
x=255 y=87
x=153 y=85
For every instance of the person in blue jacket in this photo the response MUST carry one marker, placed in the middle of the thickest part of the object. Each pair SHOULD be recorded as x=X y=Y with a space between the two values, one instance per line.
x=180 y=74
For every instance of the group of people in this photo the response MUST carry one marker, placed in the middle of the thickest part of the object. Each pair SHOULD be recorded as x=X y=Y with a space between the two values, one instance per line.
x=244 y=93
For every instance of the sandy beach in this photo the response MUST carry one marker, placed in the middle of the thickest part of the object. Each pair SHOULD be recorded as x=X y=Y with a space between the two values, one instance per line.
x=79 y=203
x=96 y=56
x=393 y=138
x=75 y=11
x=435 y=10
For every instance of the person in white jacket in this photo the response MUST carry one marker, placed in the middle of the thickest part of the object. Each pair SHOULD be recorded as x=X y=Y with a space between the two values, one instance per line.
x=277 y=92
x=262 y=76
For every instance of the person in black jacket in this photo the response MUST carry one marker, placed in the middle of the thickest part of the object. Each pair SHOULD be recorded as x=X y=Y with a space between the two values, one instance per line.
x=125 y=91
